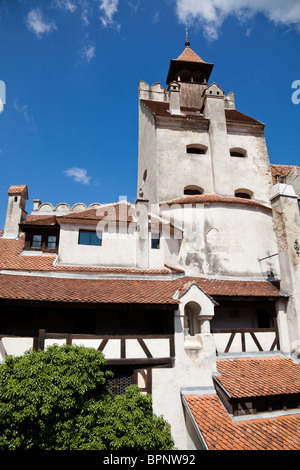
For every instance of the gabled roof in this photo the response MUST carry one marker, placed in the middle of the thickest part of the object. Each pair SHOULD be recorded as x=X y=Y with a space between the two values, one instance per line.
x=18 y=189
x=243 y=378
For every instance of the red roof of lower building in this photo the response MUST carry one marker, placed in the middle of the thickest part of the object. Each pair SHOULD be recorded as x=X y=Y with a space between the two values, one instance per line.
x=249 y=377
x=220 y=432
x=244 y=378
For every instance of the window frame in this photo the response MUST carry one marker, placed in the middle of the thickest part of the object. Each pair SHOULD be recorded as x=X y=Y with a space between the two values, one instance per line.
x=91 y=233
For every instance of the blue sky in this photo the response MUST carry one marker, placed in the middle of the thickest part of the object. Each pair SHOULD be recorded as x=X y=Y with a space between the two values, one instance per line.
x=71 y=70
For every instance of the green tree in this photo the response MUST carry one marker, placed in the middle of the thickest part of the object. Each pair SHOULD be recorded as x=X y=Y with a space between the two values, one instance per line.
x=58 y=399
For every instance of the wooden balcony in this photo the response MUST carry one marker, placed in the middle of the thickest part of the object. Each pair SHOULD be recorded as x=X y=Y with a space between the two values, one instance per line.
x=246 y=340
x=144 y=350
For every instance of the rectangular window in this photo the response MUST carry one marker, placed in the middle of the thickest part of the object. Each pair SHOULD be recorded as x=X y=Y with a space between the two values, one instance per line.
x=51 y=242
x=89 y=237
x=36 y=241
x=155 y=241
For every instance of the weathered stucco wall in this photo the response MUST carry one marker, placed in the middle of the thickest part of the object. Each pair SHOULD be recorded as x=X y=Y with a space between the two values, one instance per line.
x=226 y=240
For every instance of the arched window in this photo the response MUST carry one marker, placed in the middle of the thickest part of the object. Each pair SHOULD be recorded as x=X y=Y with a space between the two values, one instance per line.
x=192 y=190
x=185 y=76
x=243 y=193
x=197 y=149
x=238 y=152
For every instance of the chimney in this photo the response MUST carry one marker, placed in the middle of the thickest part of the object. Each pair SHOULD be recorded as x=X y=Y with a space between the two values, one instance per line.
x=174 y=98
x=142 y=249
x=15 y=214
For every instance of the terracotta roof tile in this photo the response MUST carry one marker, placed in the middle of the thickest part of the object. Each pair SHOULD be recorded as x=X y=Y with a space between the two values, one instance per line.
x=221 y=433
x=18 y=189
x=160 y=108
x=188 y=55
x=54 y=289
x=281 y=171
x=216 y=199
x=233 y=115
x=249 y=377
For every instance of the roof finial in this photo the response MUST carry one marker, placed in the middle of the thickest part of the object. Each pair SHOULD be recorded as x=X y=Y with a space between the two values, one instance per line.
x=187 y=38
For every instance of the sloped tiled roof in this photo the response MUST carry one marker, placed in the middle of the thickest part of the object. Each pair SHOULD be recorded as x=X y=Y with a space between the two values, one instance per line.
x=55 y=289
x=243 y=378
x=19 y=189
x=249 y=377
x=282 y=170
x=220 y=432
x=160 y=108
x=188 y=55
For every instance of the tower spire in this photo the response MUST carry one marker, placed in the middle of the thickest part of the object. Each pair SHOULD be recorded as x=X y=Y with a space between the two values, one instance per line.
x=187 y=44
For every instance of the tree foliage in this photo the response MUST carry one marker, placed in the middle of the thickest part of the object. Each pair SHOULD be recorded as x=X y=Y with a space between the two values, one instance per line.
x=58 y=399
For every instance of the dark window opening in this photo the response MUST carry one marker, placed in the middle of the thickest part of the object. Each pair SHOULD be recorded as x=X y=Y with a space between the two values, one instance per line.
x=192 y=190
x=196 y=150
x=263 y=318
x=89 y=237
x=243 y=195
x=237 y=153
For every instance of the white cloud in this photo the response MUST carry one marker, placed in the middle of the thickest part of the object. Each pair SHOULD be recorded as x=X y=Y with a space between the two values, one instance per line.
x=24 y=110
x=66 y=5
x=212 y=13
x=108 y=8
x=1 y=106
x=79 y=175
x=88 y=52
x=37 y=24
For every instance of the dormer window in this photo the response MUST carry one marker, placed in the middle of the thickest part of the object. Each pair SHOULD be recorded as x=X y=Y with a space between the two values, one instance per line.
x=41 y=240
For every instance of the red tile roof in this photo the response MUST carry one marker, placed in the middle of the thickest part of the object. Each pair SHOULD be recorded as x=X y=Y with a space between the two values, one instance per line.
x=281 y=171
x=159 y=108
x=221 y=433
x=19 y=189
x=120 y=212
x=188 y=55
x=11 y=259
x=233 y=115
x=216 y=199
x=250 y=377
x=54 y=289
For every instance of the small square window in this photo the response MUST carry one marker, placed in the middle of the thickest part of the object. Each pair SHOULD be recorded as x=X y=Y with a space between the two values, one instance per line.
x=51 y=242
x=36 y=241
x=89 y=237
x=155 y=239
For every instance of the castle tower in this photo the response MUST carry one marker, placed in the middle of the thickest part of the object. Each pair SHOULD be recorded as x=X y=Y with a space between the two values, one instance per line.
x=192 y=140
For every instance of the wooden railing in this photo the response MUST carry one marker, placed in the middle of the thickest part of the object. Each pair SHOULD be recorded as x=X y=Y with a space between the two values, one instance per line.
x=250 y=332
x=149 y=358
